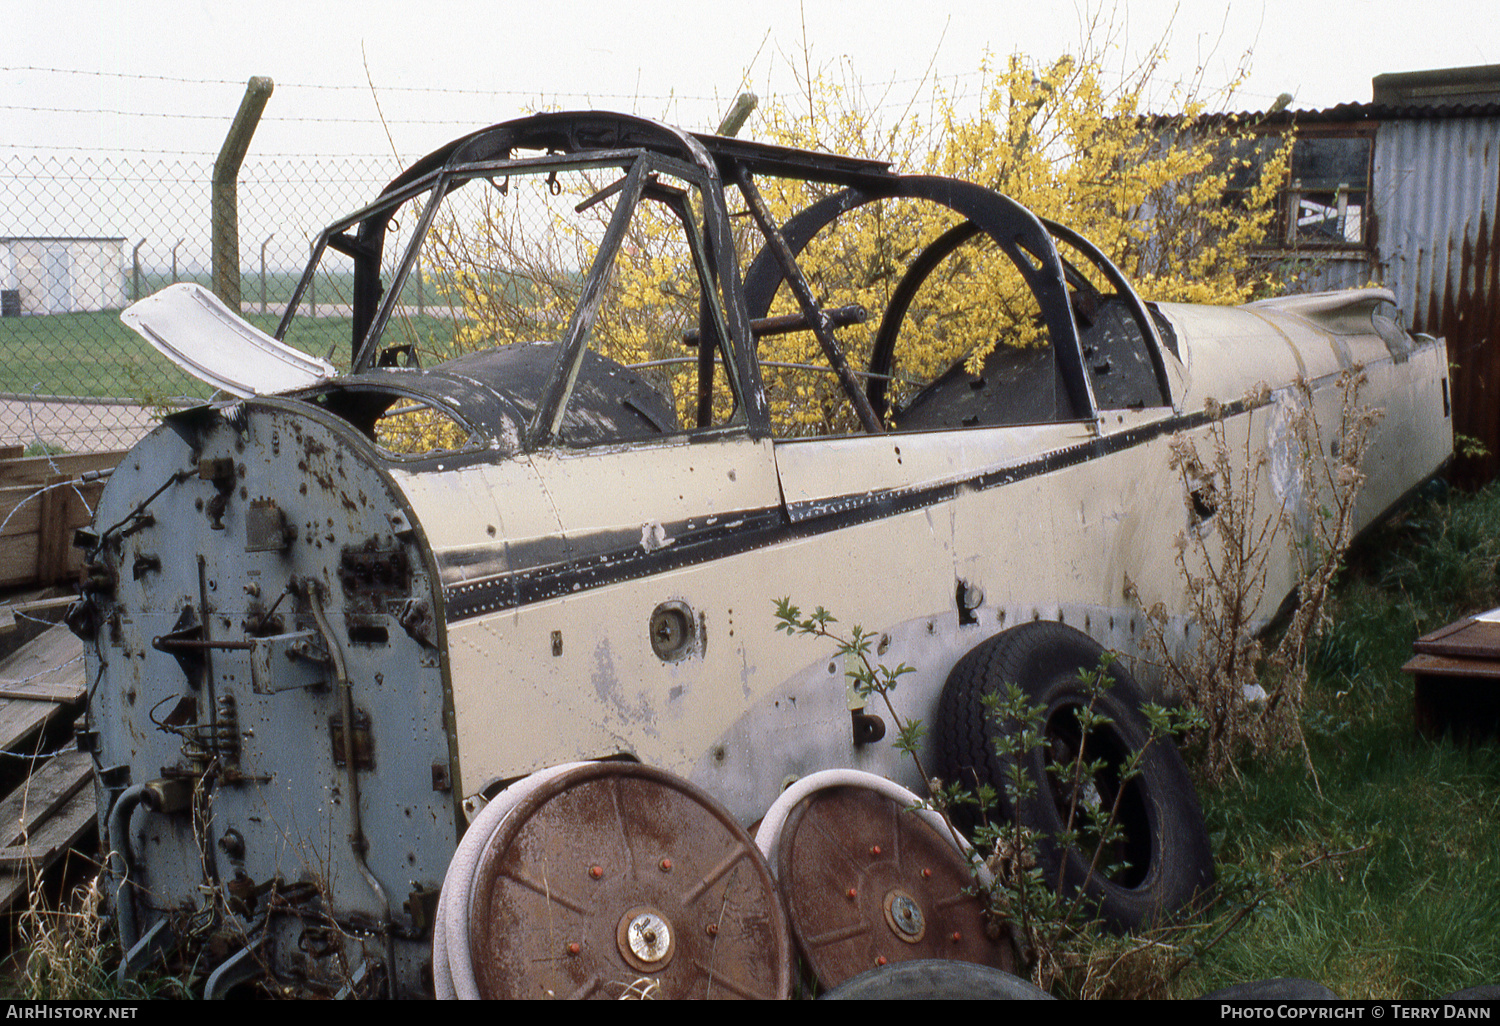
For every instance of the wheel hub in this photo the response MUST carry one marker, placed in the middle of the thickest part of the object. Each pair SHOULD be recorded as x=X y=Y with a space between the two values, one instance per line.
x=645 y=938
x=869 y=883
x=904 y=916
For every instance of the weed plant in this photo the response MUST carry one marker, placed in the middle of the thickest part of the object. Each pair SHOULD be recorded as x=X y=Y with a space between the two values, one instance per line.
x=1059 y=939
x=68 y=953
x=1250 y=695
x=1384 y=887
x=1064 y=947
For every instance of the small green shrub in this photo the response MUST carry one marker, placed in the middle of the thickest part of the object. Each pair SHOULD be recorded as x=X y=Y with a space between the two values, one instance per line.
x=1059 y=940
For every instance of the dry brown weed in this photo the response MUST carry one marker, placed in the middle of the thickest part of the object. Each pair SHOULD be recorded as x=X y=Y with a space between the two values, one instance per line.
x=1250 y=696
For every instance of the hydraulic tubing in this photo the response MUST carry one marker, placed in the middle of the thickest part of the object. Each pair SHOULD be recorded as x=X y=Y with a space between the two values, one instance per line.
x=119 y=854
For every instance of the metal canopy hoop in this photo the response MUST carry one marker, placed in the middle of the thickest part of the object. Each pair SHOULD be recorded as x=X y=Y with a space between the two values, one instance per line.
x=868 y=883
x=616 y=877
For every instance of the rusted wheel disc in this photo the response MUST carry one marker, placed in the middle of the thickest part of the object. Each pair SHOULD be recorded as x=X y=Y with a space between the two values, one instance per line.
x=868 y=884
x=615 y=879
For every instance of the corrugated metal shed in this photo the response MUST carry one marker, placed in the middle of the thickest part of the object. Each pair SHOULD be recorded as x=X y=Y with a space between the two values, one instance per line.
x=1435 y=224
x=1437 y=194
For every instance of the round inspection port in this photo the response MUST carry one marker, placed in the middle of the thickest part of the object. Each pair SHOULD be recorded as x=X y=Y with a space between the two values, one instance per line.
x=673 y=631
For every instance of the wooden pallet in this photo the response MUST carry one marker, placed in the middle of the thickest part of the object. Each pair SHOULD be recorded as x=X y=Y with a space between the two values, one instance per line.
x=52 y=810
x=40 y=512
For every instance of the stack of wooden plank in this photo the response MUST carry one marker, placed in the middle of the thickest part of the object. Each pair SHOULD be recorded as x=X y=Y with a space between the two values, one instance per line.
x=1456 y=677
x=39 y=512
x=51 y=810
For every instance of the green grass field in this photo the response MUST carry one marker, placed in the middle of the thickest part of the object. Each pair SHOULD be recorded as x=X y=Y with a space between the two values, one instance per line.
x=95 y=355
x=85 y=354
x=279 y=286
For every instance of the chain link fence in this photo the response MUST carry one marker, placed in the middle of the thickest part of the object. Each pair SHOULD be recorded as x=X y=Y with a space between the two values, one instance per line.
x=83 y=236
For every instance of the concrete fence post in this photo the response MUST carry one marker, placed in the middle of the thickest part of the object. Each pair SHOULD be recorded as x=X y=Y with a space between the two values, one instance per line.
x=225 y=215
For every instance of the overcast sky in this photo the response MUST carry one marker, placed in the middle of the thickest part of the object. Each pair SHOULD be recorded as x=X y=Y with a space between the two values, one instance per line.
x=142 y=82
x=184 y=62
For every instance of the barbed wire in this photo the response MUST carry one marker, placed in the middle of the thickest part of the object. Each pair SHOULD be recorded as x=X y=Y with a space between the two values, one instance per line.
x=535 y=93
x=935 y=80
x=445 y=90
x=221 y=117
x=21 y=682
x=156 y=151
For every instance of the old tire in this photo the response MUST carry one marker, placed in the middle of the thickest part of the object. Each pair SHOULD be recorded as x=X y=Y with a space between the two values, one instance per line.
x=1165 y=858
x=1487 y=992
x=936 y=980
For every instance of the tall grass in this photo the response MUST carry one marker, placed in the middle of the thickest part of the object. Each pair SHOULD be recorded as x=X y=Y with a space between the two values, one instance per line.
x=66 y=952
x=1388 y=886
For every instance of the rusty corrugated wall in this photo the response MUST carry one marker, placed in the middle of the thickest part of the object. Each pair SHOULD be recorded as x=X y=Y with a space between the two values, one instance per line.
x=1436 y=194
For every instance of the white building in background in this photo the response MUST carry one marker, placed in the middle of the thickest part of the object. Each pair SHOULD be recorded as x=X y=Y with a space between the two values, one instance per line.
x=59 y=274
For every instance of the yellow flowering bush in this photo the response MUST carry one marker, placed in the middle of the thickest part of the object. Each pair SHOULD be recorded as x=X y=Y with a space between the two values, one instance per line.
x=1165 y=199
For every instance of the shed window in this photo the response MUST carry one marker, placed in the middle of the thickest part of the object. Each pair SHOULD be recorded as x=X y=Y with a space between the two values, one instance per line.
x=1325 y=201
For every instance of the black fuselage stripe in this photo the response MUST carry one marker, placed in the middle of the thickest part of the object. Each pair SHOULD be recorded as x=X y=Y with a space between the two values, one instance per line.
x=734 y=534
